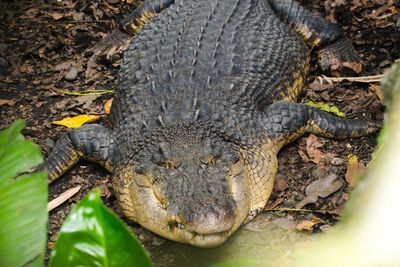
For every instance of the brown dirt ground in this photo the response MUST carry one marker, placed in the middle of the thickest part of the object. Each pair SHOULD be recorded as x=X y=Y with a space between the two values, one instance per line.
x=44 y=39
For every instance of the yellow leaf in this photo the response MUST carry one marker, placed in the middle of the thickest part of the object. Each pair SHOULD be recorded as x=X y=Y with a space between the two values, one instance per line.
x=107 y=106
x=352 y=159
x=77 y=121
x=326 y=107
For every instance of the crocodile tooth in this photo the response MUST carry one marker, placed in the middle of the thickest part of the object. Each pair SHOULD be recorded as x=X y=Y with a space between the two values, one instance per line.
x=189 y=235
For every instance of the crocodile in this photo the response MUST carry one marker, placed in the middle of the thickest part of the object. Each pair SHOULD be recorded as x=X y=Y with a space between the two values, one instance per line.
x=204 y=101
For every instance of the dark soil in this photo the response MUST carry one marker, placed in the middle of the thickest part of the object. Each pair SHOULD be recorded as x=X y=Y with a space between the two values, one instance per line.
x=40 y=41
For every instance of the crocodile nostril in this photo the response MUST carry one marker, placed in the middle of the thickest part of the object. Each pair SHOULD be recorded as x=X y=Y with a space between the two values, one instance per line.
x=172 y=163
x=140 y=169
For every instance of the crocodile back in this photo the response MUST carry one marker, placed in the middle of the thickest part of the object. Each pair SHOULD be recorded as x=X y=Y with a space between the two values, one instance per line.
x=202 y=60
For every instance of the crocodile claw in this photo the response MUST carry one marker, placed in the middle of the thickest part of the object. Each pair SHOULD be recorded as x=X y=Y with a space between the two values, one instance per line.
x=111 y=44
x=339 y=55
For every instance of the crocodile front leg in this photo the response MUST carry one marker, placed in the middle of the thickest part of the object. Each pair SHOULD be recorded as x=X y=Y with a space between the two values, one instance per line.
x=128 y=27
x=334 y=47
x=286 y=121
x=92 y=142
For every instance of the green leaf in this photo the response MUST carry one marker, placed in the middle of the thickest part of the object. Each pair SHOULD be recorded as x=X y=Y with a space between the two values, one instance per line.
x=16 y=154
x=23 y=214
x=93 y=236
x=326 y=107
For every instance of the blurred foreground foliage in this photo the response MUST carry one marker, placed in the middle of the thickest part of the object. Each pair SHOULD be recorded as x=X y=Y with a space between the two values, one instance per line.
x=93 y=236
x=23 y=200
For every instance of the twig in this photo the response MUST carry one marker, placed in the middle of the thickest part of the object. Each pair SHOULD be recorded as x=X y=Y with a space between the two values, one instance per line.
x=62 y=198
x=362 y=79
x=88 y=92
x=72 y=22
x=288 y=209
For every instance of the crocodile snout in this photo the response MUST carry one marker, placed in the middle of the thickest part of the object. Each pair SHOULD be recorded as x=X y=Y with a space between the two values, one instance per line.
x=212 y=218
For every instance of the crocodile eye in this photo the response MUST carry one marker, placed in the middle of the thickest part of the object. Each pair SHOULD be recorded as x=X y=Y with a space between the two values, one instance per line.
x=172 y=163
x=207 y=159
x=140 y=169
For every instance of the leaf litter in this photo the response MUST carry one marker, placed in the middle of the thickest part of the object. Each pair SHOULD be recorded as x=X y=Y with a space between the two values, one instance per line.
x=322 y=187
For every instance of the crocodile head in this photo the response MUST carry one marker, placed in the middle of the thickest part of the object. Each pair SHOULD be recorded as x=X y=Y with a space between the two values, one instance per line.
x=187 y=189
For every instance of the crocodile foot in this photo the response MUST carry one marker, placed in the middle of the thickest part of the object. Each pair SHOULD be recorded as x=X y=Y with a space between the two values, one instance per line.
x=111 y=44
x=339 y=55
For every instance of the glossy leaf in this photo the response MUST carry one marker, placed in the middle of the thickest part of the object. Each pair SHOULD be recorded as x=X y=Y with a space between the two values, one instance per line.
x=23 y=200
x=77 y=121
x=93 y=236
x=16 y=154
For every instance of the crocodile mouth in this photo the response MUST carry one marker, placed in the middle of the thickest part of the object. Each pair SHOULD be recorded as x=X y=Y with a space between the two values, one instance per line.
x=154 y=216
x=197 y=239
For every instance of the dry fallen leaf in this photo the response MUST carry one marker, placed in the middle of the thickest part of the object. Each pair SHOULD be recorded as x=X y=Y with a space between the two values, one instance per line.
x=57 y=15
x=77 y=121
x=63 y=65
x=9 y=102
x=311 y=151
x=308 y=225
x=336 y=211
x=111 y=7
x=354 y=167
x=318 y=86
x=30 y=13
x=355 y=66
x=305 y=225
x=280 y=185
x=377 y=88
x=85 y=101
x=322 y=187
x=272 y=205
x=91 y=68
x=104 y=192
x=26 y=68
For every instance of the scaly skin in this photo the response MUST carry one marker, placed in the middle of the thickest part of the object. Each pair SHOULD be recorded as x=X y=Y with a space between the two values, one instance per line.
x=198 y=116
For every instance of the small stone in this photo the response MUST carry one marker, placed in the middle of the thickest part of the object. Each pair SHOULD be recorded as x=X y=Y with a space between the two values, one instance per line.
x=337 y=161
x=325 y=95
x=72 y=74
x=290 y=203
x=325 y=227
x=53 y=238
x=158 y=241
x=285 y=223
x=61 y=214
x=335 y=169
x=3 y=63
x=3 y=48
x=49 y=143
x=78 y=16
x=319 y=173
